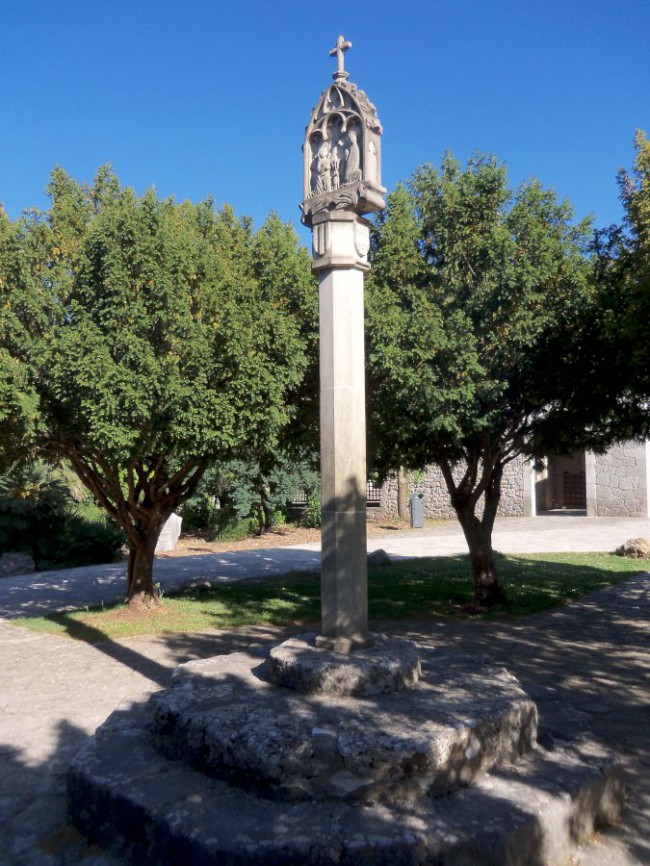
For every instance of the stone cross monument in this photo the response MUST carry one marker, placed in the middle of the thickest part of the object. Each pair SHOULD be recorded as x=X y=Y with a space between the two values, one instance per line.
x=342 y=181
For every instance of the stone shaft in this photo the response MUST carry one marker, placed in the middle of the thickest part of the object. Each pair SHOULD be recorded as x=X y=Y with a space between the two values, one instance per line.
x=344 y=590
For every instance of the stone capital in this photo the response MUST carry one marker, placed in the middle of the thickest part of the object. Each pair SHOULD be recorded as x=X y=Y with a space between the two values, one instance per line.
x=340 y=239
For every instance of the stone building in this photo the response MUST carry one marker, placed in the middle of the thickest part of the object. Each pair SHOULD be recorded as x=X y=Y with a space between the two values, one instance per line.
x=614 y=484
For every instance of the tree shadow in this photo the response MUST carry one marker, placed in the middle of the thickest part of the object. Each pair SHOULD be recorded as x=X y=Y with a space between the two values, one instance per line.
x=586 y=667
x=176 y=790
x=584 y=664
x=119 y=652
x=34 y=826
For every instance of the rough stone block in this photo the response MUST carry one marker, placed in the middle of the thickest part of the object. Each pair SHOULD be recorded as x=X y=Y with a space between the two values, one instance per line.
x=169 y=534
x=16 y=563
x=124 y=795
x=462 y=718
x=384 y=665
x=634 y=548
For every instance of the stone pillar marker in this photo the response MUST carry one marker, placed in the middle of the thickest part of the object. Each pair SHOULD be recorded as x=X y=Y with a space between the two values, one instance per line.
x=342 y=167
x=319 y=734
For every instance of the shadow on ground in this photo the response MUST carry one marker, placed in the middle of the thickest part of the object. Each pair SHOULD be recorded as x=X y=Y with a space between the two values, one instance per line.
x=586 y=666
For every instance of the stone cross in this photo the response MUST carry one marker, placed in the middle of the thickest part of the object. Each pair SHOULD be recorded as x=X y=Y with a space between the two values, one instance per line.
x=343 y=127
x=339 y=50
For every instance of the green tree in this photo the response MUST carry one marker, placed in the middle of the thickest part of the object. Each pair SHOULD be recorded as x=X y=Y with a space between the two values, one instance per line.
x=18 y=402
x=626 y=280
x=612 y=379
x=282 y=269
x=475 y=307
x=150 y=345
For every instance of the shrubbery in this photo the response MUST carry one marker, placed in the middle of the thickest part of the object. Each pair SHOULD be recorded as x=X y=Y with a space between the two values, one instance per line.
x=239 y=498
x=40 y=515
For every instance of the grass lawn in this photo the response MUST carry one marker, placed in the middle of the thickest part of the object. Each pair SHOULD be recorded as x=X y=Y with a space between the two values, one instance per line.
x=415 y=588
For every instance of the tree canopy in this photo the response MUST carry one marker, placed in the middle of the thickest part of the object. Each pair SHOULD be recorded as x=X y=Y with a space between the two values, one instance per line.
x=625 y=285
x=612 y=379
x=475 y=310
x=145 y=335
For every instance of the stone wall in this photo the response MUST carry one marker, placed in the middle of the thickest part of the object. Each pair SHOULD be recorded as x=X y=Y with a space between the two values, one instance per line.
x=621 y=481
x=437 y=504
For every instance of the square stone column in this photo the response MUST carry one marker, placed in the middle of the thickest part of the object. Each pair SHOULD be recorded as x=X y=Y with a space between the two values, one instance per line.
x=340 y=250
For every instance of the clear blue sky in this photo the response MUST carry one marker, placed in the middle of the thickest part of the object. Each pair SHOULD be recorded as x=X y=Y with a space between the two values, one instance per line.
x=202 y=96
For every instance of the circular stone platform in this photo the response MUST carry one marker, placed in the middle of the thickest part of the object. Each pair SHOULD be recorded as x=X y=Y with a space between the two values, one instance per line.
x=384 y=665
x=464 y=716
x=223 y=766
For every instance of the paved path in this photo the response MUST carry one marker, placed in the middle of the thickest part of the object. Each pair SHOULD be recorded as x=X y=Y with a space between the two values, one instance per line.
x=75 y=588
x=586 y=665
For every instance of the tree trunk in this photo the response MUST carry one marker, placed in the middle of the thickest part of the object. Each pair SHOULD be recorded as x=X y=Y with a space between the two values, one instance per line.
x=141 y=589
x=259 y=514
x=478 y=534
x=402 y=496
x=269 y=520
x=487 y=588
x=140 y=497
x=264 y=508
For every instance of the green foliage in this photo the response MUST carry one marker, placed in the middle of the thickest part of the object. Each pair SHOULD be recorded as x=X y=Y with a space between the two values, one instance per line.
x=87 y=539
x=611 y=377
x=313 y=512
x=18 y=402
x=34 y=508
x=240 y=494
x=626 y=285
x=476 y=306
x=39 y=514
x=205 y=514
x=635 y=194
x=200 y=513
x=148 y=338
x=264 y=479
x=469 y=281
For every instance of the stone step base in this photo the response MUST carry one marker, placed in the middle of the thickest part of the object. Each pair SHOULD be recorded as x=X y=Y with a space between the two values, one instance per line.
x=462 y=718
x=124 y=795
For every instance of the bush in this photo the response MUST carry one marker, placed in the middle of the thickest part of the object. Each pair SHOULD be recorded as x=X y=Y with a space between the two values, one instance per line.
x=200 y=514
x=39 y=514
x=86 y=542
x=231 y=527
x=312 y=514
x=34 y=507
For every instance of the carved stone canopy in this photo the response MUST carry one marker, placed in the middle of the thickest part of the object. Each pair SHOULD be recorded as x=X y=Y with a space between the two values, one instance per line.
x=342 y=150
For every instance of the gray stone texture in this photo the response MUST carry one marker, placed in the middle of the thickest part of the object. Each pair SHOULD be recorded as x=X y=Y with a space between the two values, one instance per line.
x=378 y=558
x=169 y=534
x=437 y=504
x=585 y=665
x=16 y=563
x=462 y=718
x=305 y=665
x=344 y=582
x=621 y=481
x=616 y=486
x=127 y=795
x=635 y=548
x=342 y=150
x=342 y=182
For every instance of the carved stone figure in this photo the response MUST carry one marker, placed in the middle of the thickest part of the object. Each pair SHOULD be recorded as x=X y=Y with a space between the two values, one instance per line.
x=352 y=169
x=323 y=169
x=336 y=178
